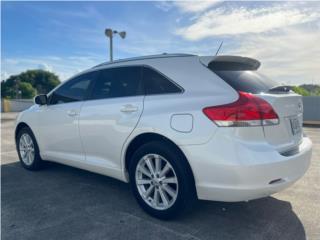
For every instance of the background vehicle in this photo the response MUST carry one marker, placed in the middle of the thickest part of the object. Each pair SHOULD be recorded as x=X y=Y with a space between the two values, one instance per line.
x=177 y=127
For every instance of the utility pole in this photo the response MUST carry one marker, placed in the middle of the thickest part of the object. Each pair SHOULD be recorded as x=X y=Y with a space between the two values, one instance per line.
x=109 y=33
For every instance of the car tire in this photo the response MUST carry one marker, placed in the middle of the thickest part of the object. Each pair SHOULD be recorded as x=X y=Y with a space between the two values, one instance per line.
x=28 y=149
x=171 y=193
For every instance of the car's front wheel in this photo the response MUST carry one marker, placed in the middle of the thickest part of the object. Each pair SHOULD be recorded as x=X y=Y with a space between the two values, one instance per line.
x=161 y=180
x=28 y=149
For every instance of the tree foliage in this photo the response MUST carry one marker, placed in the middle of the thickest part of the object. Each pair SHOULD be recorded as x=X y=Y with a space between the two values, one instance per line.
x=301 y=91
x=27 y=91
x=307 y=90
x=313 y=89
x=28 y=84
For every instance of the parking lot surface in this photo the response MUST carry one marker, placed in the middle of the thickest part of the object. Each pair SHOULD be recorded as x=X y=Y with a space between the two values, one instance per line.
x=61 y=202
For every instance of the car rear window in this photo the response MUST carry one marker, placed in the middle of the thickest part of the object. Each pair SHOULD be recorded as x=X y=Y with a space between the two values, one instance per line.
x=247 y=81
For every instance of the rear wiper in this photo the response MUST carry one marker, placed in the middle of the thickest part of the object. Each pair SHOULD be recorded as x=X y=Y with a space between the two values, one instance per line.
x=281 y=88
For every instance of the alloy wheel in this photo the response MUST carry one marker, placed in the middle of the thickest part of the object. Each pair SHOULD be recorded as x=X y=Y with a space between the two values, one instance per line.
x=156 y=181
x=26 y=148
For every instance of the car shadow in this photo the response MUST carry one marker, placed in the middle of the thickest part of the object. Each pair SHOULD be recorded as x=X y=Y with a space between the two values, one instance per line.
x=61 y=202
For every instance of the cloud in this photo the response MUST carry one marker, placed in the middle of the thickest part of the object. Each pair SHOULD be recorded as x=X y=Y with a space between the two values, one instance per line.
x=290 y=56
x=45 y=66
x=164 y=5
x=242 y=20
x=186 y=6
x=283 y=36
x=194 y=7
x=63 y=67
x=4 y=75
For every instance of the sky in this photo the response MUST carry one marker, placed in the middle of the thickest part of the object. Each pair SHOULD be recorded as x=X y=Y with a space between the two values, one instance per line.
x=68 y=37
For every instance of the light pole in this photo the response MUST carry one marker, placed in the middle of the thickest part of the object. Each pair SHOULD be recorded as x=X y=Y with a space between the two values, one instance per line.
x=109 y=33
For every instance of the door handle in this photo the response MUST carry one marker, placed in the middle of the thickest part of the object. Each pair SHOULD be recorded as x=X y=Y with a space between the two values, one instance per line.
x=129 y=108
x=72 y=113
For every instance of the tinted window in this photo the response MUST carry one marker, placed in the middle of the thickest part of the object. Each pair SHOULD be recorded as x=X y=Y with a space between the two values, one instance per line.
x=247 y=81
x=118 y=82
x=74 y=90
x=155 y=83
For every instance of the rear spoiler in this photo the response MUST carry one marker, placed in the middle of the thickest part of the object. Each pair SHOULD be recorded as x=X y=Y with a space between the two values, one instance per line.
x=230 y=63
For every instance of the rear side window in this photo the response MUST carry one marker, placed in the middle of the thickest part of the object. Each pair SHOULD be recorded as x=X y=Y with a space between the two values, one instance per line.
x=118 y=82
x=247 y=81
x=156 y=83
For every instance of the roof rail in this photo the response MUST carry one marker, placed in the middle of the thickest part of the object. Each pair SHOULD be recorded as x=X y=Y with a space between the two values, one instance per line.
x=164 y=55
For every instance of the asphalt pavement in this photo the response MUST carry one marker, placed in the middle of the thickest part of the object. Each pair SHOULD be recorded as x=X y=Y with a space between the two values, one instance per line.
x=61 y=202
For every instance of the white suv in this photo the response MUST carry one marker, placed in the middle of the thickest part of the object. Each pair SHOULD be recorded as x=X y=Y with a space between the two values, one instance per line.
x=177 y=127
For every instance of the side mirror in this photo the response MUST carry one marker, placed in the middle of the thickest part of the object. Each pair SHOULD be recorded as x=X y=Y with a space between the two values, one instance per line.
x=41 y=99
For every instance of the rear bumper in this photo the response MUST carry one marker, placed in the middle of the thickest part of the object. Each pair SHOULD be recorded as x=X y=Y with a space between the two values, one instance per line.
x=240 y=171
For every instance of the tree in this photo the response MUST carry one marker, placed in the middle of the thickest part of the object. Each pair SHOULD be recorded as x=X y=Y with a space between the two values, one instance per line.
x=40 y=81
x=27 y=91
x=301 y=91
x=313 y=89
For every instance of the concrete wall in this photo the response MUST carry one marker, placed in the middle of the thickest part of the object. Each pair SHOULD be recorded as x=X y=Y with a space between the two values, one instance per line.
x=311 y=109
x=15 y=105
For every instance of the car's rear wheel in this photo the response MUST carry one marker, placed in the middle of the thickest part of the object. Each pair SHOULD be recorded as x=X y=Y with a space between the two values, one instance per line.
x=28 y=149
x=161 y=180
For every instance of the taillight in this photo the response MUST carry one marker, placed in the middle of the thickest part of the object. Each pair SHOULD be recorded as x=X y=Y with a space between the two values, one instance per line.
x=248 y=110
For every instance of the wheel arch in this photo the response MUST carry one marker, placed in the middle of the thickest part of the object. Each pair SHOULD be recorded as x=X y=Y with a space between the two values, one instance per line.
x=19 y=126
x=149 y=137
